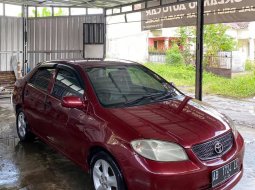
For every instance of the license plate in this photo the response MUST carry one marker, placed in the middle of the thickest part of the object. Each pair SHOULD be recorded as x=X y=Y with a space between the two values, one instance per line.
x=224 y=173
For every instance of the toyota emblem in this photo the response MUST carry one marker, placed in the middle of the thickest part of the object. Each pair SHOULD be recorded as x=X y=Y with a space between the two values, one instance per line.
x=218 y=147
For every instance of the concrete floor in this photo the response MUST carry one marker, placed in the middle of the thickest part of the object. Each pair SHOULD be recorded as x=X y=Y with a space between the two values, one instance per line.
x=36 y=166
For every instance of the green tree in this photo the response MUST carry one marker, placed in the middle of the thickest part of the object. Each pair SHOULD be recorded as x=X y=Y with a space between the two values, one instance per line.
x=46 y=12
x=185 y=41
x=174 y=56
x=216 y=39
x=59 y=13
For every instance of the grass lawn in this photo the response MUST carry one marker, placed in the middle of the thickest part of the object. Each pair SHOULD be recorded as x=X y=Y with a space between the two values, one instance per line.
x=184 y=76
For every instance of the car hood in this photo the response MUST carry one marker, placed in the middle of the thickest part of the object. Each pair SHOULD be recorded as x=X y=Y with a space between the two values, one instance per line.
x=183 y=120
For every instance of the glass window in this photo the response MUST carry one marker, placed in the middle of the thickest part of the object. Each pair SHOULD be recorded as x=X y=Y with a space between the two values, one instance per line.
x=13 y=10
x=93 y=33
x=1 y=9
x=116 y=10
x=67 y=84
x=126 y=8
x=41 y=78
x=139 y=6
x=92 y=11
x=109 y=12
x=124 y=85
x=78 y=11
x=60 y=11
x=44 y=11
x=31 y=11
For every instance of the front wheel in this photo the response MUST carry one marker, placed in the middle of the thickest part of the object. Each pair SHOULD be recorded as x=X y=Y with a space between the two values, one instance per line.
x=22 y=127
x=105 y=173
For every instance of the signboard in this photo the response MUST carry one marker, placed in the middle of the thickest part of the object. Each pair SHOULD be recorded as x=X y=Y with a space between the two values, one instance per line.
x=185 y=14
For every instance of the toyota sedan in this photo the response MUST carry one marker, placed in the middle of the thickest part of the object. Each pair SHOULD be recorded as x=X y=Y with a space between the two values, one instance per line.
x=128 y=127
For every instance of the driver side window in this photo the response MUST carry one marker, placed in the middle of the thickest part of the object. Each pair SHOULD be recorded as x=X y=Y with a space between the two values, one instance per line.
x=67 y=84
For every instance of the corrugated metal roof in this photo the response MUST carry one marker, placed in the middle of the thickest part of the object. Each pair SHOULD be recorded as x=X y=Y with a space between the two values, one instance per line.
x=73 y=3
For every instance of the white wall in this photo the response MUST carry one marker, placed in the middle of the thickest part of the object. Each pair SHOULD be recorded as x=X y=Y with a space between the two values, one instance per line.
x=126 y=40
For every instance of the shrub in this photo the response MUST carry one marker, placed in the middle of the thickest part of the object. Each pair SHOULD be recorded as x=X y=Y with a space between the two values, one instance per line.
x=250 y=65
x=174 y=55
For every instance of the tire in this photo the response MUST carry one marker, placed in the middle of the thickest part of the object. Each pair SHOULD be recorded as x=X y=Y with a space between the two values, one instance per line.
x=24 y=133
x=105 y=173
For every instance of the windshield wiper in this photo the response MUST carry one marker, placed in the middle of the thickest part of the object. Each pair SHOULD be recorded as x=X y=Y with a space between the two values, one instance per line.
x=169 y=94
x=131 y=102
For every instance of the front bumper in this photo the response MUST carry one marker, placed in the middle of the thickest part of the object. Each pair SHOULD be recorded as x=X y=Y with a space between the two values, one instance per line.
x=144 y=174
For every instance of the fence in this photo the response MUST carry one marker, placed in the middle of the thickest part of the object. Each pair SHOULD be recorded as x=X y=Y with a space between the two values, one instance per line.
x=222 y=61
x=157 y=57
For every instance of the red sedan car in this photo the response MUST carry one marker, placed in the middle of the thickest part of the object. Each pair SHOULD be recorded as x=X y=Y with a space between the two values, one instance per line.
x=128 y=127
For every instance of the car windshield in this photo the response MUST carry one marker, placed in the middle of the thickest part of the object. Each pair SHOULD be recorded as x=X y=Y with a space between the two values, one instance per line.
x=123 y=86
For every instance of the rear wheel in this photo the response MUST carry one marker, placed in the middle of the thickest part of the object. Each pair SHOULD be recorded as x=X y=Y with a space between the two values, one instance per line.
x=105 y=173
x=23 y=130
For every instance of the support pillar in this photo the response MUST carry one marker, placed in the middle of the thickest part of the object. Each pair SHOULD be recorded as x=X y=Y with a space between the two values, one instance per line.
x=166 y=43
x=199 y=49
x=25 y=44
x=251 y=49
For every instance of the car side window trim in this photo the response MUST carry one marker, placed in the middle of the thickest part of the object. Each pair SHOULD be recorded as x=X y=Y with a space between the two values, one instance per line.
x=29 y=82
x=74 y=71
x=71 y=71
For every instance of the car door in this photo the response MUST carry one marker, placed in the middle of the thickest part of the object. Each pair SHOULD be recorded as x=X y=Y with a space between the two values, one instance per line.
x=67 y=83
x=35 y=94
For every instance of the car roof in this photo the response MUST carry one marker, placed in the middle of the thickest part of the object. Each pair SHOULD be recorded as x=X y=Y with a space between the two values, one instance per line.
x=90 y=63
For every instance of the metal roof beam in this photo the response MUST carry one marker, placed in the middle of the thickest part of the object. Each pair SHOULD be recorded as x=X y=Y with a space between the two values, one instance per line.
x=144 y=8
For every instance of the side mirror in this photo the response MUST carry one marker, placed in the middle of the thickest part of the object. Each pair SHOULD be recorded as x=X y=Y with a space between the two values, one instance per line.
x=72 y=102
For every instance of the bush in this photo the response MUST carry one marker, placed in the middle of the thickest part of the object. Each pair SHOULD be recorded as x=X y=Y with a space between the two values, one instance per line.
x=250 y=65
x=174 y=55
x=241 y=86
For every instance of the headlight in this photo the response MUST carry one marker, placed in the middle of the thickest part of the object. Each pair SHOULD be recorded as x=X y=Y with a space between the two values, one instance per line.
x=159 y=150
x=231 y=125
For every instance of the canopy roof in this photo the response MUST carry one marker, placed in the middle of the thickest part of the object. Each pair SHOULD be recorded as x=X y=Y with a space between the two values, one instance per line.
x=92 y=3
x=74 y=3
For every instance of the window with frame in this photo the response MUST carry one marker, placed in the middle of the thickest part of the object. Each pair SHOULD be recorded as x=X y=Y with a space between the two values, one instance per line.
x=155 y=44
x=13 y=10
x=1 y=9
x=41 y=79
x=93 y=33
x=67 y=84
x=78 y=11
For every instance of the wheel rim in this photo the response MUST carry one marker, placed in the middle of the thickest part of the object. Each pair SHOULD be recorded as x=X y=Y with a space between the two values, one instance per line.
x=21 y=125
x=103 y=176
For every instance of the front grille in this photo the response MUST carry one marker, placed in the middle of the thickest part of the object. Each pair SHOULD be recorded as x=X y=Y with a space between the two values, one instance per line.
x=206 y=151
